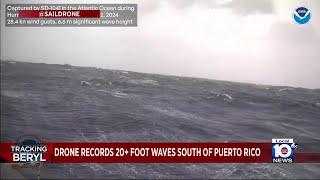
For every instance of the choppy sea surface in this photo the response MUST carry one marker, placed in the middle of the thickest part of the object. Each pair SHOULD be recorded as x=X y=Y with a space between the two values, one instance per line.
x=67 y=103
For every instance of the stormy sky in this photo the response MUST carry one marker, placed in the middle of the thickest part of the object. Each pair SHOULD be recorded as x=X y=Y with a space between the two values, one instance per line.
x=235 y=40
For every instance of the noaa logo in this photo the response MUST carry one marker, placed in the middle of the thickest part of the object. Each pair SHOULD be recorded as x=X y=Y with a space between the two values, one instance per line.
x=302 y=15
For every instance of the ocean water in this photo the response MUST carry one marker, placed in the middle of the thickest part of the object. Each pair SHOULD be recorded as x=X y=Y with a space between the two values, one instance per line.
x=67 y=103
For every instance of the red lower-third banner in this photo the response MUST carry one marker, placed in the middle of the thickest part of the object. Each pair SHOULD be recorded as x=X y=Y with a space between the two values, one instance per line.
x=155 y=152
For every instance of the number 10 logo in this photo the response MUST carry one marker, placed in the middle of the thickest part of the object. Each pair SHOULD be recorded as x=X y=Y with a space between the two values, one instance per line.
x=282 y=151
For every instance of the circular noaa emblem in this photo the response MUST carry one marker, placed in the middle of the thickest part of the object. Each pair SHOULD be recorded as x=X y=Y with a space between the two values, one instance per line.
x=302 y=15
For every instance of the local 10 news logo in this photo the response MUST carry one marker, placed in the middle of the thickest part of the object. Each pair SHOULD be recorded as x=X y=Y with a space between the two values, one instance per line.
x=28 y=149
x=283 y=150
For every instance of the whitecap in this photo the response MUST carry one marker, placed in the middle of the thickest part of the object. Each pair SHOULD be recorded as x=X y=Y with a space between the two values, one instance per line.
x=169 y=111
x=85 y=83
x=225 y=96
x=102 y=90
x=118 y=94
x=67 y=69
x=144 y=81
x=286 y=89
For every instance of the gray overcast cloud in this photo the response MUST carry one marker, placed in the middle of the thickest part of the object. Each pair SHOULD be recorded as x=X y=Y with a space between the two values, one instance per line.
x=251 y=6
x=245 y=41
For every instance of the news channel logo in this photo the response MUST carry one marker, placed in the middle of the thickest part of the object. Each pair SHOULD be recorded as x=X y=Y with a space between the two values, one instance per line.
x=28 y=149
x=302 y=15
x=283 y=150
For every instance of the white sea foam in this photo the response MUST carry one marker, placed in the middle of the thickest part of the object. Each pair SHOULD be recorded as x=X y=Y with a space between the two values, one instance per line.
x=85 y=83
x=286 y=89
x=102 y=90
x=144 y=81
x=173 y=112
x=225 y=96
x=119 y=94
x=67 y=69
